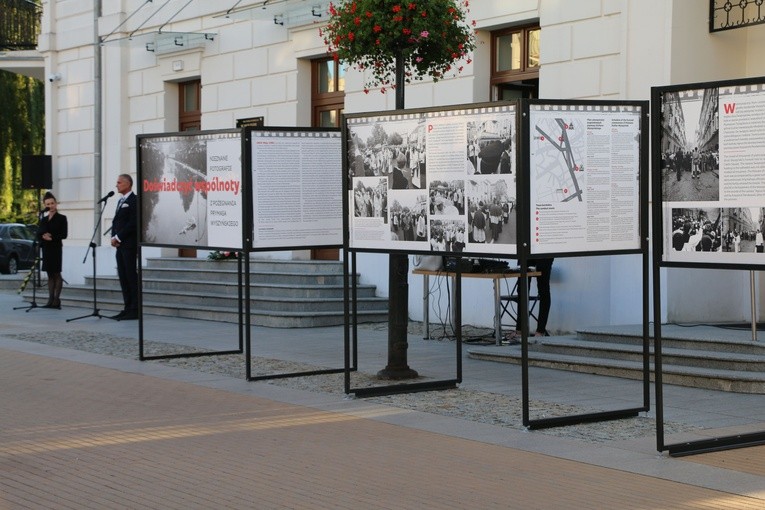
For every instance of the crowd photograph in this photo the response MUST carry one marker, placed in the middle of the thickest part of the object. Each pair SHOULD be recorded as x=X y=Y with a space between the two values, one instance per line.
x=408 y=216
x=370 y=198
x=690 y=155
x=491 y=211
x=394 y=150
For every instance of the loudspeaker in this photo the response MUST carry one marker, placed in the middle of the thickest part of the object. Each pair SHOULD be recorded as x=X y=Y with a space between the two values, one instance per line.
x=36 y=172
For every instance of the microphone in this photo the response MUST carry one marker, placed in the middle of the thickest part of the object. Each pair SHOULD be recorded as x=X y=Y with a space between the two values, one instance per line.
x=106 y=197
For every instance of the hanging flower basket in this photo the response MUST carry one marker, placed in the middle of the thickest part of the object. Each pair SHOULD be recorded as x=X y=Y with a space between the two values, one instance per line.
x=429 y=35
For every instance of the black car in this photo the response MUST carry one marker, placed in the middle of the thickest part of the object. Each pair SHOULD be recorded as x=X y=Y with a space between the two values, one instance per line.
x=17 y=247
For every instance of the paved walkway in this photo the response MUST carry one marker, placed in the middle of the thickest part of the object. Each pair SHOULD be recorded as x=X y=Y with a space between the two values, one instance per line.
x=82 y=430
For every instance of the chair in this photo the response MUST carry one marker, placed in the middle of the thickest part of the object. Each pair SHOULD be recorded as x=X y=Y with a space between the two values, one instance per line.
x=509 y=305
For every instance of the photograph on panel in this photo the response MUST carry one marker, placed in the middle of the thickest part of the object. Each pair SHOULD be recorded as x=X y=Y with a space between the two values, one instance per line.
x=370 y=198
x=489 y=145
x=175 y=205
x=698 y=229
x=408 y=215
x=447 y=198
x=447 y=235
x=491 y=210
x=690 y=146
x=742 y=229
x=393 y=149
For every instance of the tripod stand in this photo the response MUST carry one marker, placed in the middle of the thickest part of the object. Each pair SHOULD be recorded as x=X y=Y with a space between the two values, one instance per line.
x=34 y=272
x=92 y=247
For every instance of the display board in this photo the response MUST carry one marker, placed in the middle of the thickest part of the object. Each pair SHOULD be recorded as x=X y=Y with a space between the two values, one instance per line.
x=433 y=180
x=190 y=189
x=709 y=173
x=584 y=179
x=296 y=176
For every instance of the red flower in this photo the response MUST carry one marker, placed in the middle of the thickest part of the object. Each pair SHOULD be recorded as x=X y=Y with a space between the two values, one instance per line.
x=373 y=46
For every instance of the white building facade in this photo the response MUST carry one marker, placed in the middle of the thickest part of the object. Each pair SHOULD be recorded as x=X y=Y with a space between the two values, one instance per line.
x=249 y=66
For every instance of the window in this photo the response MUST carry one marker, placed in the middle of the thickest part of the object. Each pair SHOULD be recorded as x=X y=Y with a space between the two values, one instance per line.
x=327 y=92
x=189 y=107
x=327 y=104
x=515 y=63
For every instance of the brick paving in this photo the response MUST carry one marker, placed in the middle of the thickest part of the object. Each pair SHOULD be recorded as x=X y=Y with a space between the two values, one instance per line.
x=82 y=430
x=74 y=435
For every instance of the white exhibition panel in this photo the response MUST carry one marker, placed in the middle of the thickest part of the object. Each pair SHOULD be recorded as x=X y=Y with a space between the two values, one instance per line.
x=297 y=199
x=584 y=178
x=434 y=180
x=713 y=174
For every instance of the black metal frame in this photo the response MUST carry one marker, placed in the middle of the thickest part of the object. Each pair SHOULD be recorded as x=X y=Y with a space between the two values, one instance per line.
x=248 y=240
x=351 y=331
x=143 y=357
x=525 y=254
x=708 y=444
x=141 y=351
x=351 y=338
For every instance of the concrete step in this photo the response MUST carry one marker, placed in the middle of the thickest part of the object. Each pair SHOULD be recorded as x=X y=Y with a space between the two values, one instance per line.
x=717 y=359
x=720 y=338
x=256 y=265
x=222 y=287
x=224 y=275
x=695 y=377
x=282 y=293
x=111 y=302
x=308 y=304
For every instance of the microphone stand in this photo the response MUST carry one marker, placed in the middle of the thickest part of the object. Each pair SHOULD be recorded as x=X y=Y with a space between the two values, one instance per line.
x=92 y=246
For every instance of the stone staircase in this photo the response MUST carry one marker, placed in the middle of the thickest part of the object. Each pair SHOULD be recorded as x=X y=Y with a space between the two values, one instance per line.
x=283 y=293
x=711 y=357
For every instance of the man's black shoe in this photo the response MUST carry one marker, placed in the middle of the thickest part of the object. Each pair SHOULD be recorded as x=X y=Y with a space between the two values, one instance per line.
x=129 y=316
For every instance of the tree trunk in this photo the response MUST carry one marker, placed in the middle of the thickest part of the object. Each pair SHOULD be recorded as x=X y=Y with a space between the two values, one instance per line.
x=398 y=286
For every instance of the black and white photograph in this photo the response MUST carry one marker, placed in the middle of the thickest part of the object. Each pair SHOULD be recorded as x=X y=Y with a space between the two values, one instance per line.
x=408 y=216
x=697 y=229
x=447 y=235
x=742 y=229
x=690 y=146
x=370 y=198
x=447 y=198
x=389 y=149
x=174 y=207
x=489 y=145
x=491 y=210
x=191 y=189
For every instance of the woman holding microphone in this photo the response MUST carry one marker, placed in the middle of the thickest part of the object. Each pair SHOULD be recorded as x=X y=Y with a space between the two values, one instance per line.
x=52 y=229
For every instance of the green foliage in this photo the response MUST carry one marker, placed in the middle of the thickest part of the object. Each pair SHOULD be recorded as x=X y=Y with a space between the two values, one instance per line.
x=429 y=35
x=22 y=131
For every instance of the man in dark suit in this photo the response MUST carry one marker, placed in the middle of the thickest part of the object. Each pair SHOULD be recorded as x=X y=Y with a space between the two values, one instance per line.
x=125 y=239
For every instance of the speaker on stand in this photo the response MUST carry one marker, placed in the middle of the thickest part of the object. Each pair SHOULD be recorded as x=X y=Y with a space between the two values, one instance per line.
x=36 y=173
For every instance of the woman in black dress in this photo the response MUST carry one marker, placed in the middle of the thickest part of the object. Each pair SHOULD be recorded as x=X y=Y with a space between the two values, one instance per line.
x=52 y=229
